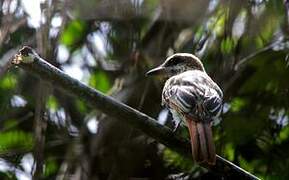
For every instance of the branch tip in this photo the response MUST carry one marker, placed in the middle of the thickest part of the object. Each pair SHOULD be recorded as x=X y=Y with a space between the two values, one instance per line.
x=26 y=55
x=26 y=50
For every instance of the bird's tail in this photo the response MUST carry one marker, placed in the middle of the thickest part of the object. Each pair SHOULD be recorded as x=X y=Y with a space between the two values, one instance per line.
x=203 y=148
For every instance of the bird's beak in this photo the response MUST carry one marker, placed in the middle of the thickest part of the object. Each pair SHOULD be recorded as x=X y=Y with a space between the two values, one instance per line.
x=156 y=71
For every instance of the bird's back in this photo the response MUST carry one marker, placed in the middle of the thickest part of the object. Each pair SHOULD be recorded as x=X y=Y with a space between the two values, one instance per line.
x=194 y=93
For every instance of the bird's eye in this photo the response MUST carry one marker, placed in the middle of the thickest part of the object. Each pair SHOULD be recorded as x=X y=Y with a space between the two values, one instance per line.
x=174 y=61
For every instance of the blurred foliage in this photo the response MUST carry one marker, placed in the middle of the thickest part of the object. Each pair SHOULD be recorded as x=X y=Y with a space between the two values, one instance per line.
x=177 y=161
x=109 y=45
x=15 y=140
x=73 y=33
x=100 y=81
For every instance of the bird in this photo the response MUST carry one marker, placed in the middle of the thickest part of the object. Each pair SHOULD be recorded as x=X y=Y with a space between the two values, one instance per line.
x=194 y=99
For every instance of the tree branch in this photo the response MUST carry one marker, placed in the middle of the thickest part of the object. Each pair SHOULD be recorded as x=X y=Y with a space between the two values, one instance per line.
x=29 y=60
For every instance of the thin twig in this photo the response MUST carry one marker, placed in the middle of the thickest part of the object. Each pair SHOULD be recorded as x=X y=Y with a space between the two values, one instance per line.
x=31 y=62
x=249 y=57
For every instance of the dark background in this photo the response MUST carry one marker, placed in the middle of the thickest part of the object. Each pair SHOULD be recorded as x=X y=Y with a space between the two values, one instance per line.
x=109 y=45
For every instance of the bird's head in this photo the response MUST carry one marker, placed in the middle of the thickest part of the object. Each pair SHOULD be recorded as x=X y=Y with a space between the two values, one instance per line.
x=177 y=64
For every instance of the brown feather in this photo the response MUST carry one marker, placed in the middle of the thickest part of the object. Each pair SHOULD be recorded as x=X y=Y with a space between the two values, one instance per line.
x=210 y=144
x=203 y=142
x=203 y=148
x=194 y=139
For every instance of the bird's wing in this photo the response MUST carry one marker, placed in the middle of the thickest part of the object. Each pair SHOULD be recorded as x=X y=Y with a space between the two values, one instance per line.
x=190 y=92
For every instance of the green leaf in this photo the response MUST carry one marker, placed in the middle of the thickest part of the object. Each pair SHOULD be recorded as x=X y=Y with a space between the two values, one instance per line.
x=74 y=32
x=8 y=82
x=252 y=166
x=217 y=22
x=230 y=151
x=100 y=81
x=237 y=104
x=245 y=164
x=15 y=140
x=283 y=135
x=227 y=45
x=52 y=103
x=51 y=167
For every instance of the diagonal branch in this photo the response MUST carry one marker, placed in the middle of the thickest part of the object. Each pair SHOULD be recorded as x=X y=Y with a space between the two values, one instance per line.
x=32 y=62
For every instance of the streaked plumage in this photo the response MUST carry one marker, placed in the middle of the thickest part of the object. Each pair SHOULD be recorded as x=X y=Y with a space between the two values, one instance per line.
x=193 y=92
x=192 y=96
